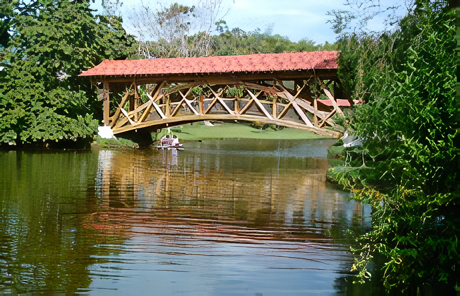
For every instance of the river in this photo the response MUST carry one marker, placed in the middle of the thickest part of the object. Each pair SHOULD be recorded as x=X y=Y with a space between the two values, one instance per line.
x=222 y=217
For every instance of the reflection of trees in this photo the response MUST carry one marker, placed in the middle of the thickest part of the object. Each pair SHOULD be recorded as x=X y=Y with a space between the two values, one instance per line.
x=242 y=190
x=63 y=214
x=42 y=244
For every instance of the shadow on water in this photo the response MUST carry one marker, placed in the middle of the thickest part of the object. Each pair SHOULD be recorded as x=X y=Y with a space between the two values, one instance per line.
x=220 y=218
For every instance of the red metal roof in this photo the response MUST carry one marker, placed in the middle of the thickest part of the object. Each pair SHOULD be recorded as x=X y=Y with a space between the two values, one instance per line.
x=218 y=64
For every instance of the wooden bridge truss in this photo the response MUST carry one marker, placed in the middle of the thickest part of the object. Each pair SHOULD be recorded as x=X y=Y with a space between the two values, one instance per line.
x=298 y=90
x=165 y=104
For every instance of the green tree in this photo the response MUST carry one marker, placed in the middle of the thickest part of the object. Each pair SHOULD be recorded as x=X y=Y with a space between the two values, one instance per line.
x=176 y=30
x=183 y=31
x=237 y=42
x=51 y=42
x=406 y=168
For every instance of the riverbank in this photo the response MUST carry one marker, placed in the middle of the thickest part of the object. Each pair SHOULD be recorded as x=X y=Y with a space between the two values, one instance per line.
x=218 y=130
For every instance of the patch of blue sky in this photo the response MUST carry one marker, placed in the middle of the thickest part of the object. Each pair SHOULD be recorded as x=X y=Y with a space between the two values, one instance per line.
x=295 y=19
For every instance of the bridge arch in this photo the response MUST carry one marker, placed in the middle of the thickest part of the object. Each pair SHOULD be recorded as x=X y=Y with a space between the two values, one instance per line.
x=297 y=90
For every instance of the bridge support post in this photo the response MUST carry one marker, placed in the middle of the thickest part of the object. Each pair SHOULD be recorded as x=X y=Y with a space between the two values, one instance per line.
x=136 y=102
x=106 y=104
x=131 y=102
x=315 y=118
x=201 y=105
x=168 y=110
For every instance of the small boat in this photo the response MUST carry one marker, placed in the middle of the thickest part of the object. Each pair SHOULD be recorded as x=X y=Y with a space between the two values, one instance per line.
x=166 y=142
x=167 y=146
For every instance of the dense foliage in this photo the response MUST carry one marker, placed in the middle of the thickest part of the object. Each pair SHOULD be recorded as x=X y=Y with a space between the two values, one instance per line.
x=48 y=45
x=232 y=42
x=406 y=168
x=174 y=31
x=45 y=44
x=237 y=41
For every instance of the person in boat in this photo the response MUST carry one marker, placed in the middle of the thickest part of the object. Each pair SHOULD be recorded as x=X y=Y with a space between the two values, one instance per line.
x=165 y=140
x=175 y=141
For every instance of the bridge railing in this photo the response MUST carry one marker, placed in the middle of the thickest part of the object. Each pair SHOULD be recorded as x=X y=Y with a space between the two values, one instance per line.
x=271 y=102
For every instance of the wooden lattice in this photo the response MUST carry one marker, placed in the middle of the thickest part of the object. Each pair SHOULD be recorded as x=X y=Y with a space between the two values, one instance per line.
x=271 y=102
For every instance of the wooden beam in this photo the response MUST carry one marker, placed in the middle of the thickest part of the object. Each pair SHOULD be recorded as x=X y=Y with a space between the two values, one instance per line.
x=259 y=104
x=176 y=110
x=285 y=110
x=334 y=103
x=300 y=90
x=224 y=78
x=222 y=91
x=304 y=104
x=171 y=121
x=237 y=105
x=268 y=89
x=127 y=116
x=221 y=101
x=106 y=104
x=191 y=107
x=167 y=107
x=327 y=117
x=315 y=105
x=153 y=97
x=188 y=92
x=136 y=102
x=181 y=87
x=188 y=104
x=120 y=122
x=201 y=104
x=139 y=109
x=247 y=106
x=157 y=108
x=211 y=105
x=117 y=113
x=299 y=111
x=331 y=98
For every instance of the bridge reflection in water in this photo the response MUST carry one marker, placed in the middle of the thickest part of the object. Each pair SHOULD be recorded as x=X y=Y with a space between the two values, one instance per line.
x=221 y=218
x=218 y=212
x=216 y=188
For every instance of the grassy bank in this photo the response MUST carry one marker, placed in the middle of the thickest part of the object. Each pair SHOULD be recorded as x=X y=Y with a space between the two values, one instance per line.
x=113 y=143
x=199 y=131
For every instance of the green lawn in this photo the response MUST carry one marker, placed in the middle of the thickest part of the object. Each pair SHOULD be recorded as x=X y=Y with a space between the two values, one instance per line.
x=199 y=131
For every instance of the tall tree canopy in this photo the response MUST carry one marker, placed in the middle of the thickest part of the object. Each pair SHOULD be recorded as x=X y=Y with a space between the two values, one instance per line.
x=48 y=44
x=183 y=31
x=176 y=30
x=406 y=168
x=237 y=41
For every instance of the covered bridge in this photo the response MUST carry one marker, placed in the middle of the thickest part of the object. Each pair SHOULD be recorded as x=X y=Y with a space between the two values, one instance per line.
x=299 y=90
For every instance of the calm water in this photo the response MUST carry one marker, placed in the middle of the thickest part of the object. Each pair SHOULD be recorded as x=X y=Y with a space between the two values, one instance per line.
x=229 y=217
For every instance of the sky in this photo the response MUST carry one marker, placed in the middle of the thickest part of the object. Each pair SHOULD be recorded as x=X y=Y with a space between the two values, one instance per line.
x=296 y=19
